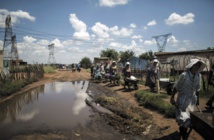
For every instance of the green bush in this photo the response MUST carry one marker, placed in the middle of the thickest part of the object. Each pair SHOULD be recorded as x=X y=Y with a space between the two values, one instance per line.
x=9 y=87
x=155 y=102
x=49 y=69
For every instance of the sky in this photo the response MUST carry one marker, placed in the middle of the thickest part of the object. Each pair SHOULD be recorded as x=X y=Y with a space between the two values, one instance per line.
x=83 y=28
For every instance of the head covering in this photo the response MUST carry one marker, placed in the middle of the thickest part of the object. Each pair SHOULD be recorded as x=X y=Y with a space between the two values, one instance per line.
x=155 y=60
x=193 y=62
x=127 y=63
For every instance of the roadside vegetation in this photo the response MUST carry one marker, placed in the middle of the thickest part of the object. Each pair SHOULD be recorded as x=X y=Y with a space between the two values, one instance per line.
x=18 y=78
x=155 y=102
x=8 y=87
x=49 y=69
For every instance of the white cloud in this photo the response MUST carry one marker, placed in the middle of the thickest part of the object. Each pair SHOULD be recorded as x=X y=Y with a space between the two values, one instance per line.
x=151 y=23
x=133 y=44
x=175 y=18
x=16 y=16
x=172 y=39
x=79 y=27
x=29 y=39
x=28 y=116
x=81 y=35
x=136 y=37
x=149 y=42
x=33 y=52
x=100 y=30
x=112 y=3
x=43 y=42
x=57 y=43
x=186 y=41
x=68 y=42
x=77 y=24
x=132 y=25
x=123 y=32
x=22 y=14
x=145 y=28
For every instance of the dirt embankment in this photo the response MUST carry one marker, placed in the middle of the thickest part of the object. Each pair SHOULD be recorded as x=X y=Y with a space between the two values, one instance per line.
x=127 y=117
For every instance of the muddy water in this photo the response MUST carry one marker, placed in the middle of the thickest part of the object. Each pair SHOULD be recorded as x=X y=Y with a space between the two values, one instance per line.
x=59 y=105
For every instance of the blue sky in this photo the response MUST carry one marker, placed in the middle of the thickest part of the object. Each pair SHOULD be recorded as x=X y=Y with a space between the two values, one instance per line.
x=82 y=28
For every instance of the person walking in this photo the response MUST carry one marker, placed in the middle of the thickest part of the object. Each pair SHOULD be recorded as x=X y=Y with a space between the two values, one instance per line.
x=126 y=74
x=187 y=87
x=152 y=75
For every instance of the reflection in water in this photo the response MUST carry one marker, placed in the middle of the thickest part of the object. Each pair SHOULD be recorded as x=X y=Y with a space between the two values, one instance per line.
x=79 y=103
x=10 y=108
x=51 y=106
x=28 y=116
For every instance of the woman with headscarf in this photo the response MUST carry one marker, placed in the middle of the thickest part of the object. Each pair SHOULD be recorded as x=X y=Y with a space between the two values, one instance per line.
x=188 y=87
x=126 y=74
x=152 y=75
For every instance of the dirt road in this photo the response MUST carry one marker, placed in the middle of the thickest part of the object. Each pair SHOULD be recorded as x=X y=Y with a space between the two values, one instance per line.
x=148 y=125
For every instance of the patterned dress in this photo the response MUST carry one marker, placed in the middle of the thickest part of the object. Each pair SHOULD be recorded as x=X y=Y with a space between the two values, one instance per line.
x=187 y=86
x=152 y=76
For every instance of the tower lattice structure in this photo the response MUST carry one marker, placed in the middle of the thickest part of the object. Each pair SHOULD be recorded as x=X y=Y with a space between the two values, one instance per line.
x=10 y=52
x=14 y=50
x=163 y=39
x=51 y=59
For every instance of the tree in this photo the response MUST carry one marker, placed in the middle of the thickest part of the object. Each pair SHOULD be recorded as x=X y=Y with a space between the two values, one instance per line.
x=85 y=63
x=147 y=55
x=126 y=55
x=210 y=48
x=111 y=53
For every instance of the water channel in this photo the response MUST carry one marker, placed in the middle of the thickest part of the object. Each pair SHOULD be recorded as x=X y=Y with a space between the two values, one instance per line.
x=58 y=105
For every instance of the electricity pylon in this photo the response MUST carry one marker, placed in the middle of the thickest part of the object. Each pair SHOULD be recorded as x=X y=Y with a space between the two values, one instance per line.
x=162 y=38
x=51 y=59
x=7 y=42
x=14 y=51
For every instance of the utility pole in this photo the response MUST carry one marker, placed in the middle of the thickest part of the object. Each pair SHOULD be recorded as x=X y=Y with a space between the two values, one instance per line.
x=51 y=59
x=163 y=38
x=14 y=51
x=7 y=43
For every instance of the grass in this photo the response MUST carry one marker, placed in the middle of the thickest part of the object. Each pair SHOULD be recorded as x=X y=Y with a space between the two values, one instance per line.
x=9 y=87
x=49 y=69
x=155 y=102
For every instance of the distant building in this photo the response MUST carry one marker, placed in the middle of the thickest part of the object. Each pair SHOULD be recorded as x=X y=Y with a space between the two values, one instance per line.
x=98 y=60
x=182 y=58
x=21 y=62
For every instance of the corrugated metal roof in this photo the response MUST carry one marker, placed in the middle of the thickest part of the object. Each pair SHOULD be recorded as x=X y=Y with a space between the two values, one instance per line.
x=185 y=52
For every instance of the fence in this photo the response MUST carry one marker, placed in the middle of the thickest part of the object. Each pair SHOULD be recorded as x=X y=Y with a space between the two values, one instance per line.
x=21 y=73
x=138 y=67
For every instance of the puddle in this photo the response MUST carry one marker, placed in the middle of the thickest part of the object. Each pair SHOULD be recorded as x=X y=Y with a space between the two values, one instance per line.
x=53 y=106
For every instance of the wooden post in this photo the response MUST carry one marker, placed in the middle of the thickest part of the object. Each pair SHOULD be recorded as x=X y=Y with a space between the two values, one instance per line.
x=157 y=86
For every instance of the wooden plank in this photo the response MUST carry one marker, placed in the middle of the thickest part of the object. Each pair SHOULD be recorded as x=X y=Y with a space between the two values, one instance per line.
x=202 y=123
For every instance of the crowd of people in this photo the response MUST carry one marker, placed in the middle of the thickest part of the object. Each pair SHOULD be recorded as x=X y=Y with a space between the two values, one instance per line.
x=109 y=71
x=187 y=87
